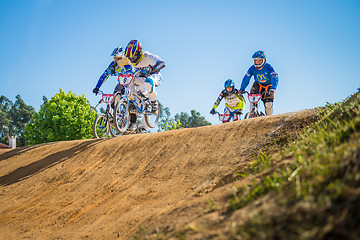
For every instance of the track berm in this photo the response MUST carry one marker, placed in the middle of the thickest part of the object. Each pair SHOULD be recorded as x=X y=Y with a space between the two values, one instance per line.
x=109 y=189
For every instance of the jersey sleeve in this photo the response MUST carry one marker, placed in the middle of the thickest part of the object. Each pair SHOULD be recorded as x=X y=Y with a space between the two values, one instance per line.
x=109 y=70
x=246 y=79
x=274 y=78
x=218 y=100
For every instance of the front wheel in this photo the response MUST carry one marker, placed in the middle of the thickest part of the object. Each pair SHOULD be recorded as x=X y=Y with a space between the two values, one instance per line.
x=101 y=126
x=152 y=119
x=248 y=115
x=122 y=116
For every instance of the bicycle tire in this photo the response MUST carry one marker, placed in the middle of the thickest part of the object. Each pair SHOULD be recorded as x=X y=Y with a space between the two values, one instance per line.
x=113 y=131
x=152 y=119
x=122 y=116
x=101 y=126
x=248 y=115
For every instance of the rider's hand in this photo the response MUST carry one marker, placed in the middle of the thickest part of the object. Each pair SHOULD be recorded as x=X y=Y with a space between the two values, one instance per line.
x=146 y=70
x=272 y=92
x=239 y=112
x=212 y=112
x=241 y=92
x=96 y=90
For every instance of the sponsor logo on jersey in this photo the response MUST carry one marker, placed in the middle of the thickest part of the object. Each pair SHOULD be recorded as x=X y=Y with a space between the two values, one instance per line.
x=261 y=78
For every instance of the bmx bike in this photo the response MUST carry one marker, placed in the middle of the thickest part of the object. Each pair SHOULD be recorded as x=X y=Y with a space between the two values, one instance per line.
x=254 y=99
x=133 y=101
x=104 y=122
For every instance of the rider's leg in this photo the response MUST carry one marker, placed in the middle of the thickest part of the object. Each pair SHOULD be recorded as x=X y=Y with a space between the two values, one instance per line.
x=118 y=88
x=268 y=101
x=268 y=108
x=150 y=84
x=132 y=126
x=255 y=89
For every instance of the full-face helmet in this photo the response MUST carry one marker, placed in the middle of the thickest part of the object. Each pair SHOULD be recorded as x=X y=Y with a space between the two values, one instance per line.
x=134 y=51
x=259 y=55
x=118 y=52
x=229 y=83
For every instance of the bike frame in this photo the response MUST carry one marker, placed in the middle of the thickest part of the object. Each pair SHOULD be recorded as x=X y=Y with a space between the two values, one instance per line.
x=132 y=96
x=107 y=99
x=254 y=99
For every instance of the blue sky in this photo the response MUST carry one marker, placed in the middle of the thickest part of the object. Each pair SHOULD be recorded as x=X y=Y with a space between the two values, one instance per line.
x=313 y=45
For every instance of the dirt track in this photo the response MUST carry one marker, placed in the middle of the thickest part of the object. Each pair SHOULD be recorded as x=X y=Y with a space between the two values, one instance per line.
x=106 y=189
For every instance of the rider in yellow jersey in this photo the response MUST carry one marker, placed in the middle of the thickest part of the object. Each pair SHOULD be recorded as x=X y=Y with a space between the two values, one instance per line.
x=234 y=101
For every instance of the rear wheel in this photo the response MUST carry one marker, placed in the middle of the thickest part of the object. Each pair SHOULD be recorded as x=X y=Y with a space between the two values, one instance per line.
x=101 y=126
x=152 y=119
x=114 y=132
x=122 y=116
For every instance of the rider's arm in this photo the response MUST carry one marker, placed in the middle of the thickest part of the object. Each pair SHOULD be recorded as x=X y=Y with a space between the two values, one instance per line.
x=246 y=79
x=274 y=78
x=158 y=66
x=109 y=70
x=218 y=100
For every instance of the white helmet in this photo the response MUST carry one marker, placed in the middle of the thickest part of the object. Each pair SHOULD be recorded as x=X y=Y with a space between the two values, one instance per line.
x=118 y=52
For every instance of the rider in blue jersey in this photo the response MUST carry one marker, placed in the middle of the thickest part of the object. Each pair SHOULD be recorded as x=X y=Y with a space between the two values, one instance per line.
x=114 y=69
x=266 y=80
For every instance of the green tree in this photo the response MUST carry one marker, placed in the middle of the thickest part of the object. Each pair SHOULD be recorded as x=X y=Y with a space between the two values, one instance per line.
x=65 y=116
x=5 y=106
x=13 y=119
x=20 y=115
x=166 y=122
x=195 y=120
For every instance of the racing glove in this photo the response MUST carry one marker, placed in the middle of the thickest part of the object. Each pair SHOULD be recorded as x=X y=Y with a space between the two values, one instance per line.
x=212 y=112
x=96 y=90
x=272 y=92
x=146 y=70
x=239 y=112
x=241 y=92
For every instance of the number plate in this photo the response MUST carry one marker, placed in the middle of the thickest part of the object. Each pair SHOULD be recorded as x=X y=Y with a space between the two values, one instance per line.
x=125 y=79
x=254 y=98
x=107 y=98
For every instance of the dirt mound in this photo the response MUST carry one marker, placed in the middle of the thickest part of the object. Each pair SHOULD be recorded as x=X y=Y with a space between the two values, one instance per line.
x=106 y=189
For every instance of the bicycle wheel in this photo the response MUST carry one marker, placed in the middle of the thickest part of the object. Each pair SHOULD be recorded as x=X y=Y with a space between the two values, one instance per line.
x=122 y=116
x=101 y=126
x=114 y=132
x=152 y=119
x=248 y=115
x=262 y=114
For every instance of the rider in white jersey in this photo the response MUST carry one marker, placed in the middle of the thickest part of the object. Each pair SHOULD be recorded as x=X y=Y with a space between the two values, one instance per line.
x=150 y=66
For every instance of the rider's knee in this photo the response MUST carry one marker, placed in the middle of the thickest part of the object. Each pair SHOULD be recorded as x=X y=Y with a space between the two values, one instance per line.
x=268 y=108
x=149 y=85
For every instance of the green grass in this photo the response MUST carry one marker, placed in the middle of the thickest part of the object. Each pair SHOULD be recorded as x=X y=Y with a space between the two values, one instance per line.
x=323 y=175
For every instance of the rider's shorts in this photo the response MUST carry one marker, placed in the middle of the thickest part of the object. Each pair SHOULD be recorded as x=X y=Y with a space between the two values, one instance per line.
x=258 y=88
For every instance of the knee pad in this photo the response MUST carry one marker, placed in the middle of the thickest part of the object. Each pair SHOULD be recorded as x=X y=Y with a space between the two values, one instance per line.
x=268 y=105
x=268 y=108
x=149 y=85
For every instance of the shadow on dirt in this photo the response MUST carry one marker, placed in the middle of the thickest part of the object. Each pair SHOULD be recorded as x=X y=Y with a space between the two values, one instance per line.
x=25 y=172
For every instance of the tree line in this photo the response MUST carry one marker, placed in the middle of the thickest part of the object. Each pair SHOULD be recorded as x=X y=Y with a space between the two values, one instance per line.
x=67 y=116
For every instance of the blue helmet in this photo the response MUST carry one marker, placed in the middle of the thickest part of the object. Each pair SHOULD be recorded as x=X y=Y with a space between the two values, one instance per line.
x=229 y=83
x=259 y=55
